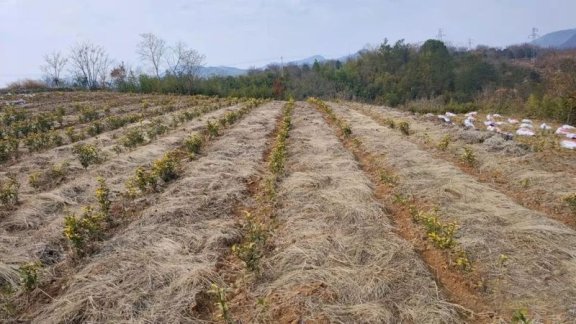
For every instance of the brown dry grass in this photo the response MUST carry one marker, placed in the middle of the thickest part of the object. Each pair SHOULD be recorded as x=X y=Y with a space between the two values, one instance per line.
x=539 y=268
x=152 y=270
x=336 y=257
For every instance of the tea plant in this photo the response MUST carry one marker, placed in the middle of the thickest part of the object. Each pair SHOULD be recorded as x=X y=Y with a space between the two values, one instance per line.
x=520 y=316
x=103 y=196
x=166 y=167
x=87 y=154
x=469 y=157
x=404 y=127
x=388 y=178
x=442 y=235
x=444 y=142
x=571 y=201
x=8 y=148
x=29 y=275
x=9 y=192
x=220 y=294
x=133 y=137
x=95 y=128
x=80 y=230
x=193 y=143
x=212 y=128
x=255 y=235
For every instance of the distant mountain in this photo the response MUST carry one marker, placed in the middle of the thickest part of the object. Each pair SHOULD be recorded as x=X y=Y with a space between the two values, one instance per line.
x=562 y=39
x=571 y=43
x=210 y=71
x=309 y=60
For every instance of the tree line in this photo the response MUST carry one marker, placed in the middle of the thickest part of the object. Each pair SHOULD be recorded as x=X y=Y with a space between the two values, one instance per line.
x=431 y=77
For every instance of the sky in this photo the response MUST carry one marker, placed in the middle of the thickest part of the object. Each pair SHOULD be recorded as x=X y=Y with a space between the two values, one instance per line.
x=252 y=33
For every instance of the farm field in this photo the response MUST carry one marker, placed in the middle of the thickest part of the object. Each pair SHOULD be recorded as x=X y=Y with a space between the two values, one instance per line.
x=158 y=208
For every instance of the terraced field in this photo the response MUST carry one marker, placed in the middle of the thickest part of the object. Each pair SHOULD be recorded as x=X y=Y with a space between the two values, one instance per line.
x=194 y=209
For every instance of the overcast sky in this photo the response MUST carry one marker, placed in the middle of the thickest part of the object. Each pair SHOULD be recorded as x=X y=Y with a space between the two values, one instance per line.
x=245 y=33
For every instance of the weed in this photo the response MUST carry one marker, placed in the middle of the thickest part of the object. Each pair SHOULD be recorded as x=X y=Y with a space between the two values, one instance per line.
x=444 y=142
x=193 y=143
x=29 y=277
x=469 y=157
x=9 y=192
x=221 y=302
x=404 y=127
x=87 y=154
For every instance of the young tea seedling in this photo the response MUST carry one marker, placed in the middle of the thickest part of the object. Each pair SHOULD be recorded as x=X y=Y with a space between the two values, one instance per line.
x=87 y=154
x=469 y=157
x=29 y=275
x=404 y=127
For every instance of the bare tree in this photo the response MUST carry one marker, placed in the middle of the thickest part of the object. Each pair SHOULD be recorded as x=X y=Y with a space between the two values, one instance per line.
x=151 y=50
x=53 y=67
x=183 y=61
x=90 y=64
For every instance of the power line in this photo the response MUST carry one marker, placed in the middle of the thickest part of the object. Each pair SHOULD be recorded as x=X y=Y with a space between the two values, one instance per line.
x=440 y=34
x=534 y=34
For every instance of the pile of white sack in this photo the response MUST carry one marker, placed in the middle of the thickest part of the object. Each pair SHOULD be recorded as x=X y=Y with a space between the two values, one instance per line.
x=568 y=132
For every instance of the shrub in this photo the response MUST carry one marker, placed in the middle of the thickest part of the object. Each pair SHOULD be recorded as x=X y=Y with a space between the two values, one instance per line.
x=404 y=128
x=87 y=154
x=9 y=192
x=193 y=143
